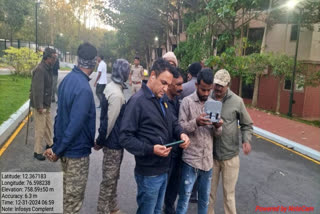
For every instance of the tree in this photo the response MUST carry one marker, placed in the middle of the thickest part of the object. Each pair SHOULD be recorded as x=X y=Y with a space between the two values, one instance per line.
x=13 y=16
x=281 y=69
x=138 y=22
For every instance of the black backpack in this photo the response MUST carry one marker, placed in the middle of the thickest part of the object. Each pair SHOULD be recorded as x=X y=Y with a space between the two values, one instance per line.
x=112 y=142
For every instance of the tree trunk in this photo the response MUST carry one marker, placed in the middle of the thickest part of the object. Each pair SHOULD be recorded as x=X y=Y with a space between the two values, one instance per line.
x=263 y=46
x=256 y=90
x=240 y=86
x=279 y=95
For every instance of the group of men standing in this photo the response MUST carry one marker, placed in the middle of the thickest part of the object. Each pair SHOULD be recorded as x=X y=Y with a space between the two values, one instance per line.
x=161 y=110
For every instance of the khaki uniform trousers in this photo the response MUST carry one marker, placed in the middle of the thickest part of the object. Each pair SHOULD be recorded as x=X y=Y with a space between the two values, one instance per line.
x=229 y=170
x=43 y=130
x=135 y=88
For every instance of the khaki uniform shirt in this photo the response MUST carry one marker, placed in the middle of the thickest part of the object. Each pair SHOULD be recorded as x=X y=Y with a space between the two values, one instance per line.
x=136 y=73
x=199 y=152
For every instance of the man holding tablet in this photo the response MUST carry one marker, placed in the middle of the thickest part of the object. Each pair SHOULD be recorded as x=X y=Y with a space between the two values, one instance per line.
x=197 y=158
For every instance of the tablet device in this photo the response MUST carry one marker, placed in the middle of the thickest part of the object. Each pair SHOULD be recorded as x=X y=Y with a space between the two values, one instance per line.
x=174 y=143
x=213 y=110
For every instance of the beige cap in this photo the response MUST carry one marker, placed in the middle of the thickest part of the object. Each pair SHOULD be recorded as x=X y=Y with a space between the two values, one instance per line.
x=169 y=56
x=222 y=77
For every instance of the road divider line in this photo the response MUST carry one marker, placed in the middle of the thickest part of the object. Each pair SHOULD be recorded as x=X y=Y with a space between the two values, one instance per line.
x=291 y=150
x=15 y=133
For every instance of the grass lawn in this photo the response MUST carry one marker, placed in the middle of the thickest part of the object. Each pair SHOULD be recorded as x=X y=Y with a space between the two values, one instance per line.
x=14 y=92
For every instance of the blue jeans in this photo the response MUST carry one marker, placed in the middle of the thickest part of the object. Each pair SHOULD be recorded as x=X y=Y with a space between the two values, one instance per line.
x=151 y=191
x=188 y=177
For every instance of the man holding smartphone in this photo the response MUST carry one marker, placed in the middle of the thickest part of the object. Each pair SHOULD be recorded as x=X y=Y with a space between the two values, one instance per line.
x=147 y=127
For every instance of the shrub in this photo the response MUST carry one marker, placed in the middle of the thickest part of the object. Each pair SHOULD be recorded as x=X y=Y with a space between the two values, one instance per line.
x=23 y=60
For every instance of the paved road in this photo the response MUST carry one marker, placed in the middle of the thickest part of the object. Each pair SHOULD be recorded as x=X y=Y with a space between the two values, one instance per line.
x=269 y=176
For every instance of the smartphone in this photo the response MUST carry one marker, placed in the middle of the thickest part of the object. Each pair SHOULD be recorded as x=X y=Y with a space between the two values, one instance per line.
x=174 y=143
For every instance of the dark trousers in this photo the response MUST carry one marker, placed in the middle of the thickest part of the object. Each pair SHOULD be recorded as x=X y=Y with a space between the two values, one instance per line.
x=99 y=91
x=173 y=185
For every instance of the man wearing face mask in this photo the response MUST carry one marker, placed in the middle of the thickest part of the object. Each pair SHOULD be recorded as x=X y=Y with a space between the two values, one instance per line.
x=147 y=126
x=226 y=147
x=74 y=128
x=113 y=152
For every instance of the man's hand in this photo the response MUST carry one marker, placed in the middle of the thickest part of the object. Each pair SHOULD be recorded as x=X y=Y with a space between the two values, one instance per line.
x=246 y=147
x=50 y=155
x=40 y=110
x=202 y=121
x=186 y=141
x=97 y=147
x=219 y=124
x=95 y=84
x=130 y=83
x=161 y=150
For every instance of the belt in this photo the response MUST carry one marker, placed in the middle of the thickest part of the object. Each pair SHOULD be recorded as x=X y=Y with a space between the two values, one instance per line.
x=139 y=82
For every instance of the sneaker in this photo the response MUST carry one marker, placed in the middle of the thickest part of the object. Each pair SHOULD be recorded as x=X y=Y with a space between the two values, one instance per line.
x=99 y=107
x=40 y=157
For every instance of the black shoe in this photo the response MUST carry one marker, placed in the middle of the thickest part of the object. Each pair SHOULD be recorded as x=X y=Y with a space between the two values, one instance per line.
x=49 y=147
x=40 y=157
x=53 y=100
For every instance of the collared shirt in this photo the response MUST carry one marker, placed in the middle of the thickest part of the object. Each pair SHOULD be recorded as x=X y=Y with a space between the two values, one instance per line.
x=199 y=152
x=136 y=73
x=161 y=102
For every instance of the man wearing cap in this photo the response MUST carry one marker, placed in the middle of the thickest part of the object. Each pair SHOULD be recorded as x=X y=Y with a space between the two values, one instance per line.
x=171 y=58
x=226 y=146
x=40 y=101
x=109 y=140
x=74 y=128
x=136 y=75
x=190 y=86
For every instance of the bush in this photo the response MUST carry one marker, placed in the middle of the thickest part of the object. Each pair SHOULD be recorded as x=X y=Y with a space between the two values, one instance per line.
x=23 y=60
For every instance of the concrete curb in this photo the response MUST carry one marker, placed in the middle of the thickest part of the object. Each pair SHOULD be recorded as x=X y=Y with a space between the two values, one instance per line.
x=10 y=125
x=288 y=143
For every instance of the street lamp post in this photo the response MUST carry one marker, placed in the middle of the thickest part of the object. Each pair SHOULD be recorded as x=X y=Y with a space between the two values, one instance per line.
x=156 y=39
x=37 y=4
x=292 y=4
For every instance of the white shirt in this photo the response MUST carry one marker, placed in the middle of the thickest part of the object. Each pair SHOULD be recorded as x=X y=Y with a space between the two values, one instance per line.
x=102 y=68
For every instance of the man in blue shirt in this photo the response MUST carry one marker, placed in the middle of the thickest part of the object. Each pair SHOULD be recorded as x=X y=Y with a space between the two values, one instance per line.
x=74 y=129
x=146 y=127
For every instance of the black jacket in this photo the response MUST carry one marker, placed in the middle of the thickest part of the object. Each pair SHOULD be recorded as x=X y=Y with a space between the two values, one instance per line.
x=41 y=86
x=143 y=126
x=174 y=107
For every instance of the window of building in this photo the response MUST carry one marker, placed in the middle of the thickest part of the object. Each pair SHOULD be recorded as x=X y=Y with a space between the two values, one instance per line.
x=294 y=32
x=255 y=37
x=287 y=86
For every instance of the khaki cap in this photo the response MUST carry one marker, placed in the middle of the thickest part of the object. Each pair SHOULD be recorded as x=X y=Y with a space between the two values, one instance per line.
x=222 y=77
